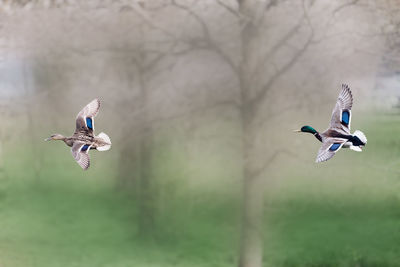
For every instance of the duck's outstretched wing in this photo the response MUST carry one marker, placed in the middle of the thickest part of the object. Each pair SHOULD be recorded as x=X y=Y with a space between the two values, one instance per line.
x=341 y=115
x=85 y=118
x=329 y=148
x=80 y=152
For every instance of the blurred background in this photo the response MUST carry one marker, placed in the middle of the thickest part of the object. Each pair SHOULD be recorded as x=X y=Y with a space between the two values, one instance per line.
x=200 y=99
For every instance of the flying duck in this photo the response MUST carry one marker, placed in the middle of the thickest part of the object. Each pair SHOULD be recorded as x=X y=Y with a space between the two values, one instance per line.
x=338 y=134
x=83 y=140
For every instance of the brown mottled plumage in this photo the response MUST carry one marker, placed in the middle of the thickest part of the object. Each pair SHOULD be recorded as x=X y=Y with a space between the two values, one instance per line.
x=84 y=139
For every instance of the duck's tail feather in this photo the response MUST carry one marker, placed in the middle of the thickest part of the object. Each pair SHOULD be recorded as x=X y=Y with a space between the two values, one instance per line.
x=356 y=148
x=360 y=136
x=105 y=139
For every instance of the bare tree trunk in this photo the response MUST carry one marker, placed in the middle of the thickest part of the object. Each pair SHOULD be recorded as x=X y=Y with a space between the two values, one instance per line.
x=38 y=157
x=253 y=193
x=135 y=171
x=129 y=162
x=251 y=237
x=146 y=192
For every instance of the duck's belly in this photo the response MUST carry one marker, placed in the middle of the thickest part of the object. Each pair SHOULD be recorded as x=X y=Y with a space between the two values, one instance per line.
x=347 y=144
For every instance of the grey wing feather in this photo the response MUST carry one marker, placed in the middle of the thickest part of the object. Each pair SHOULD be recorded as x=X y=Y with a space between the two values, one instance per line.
x=90 y=110
x=82 y=157
x=344 y=102
x=324 y=153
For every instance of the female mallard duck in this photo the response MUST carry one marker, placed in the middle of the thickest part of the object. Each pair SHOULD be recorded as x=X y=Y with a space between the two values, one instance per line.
x=84 y=139
x=338 y=134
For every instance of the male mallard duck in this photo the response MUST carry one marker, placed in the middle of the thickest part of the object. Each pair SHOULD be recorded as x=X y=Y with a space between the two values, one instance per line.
x=84 y=139
x=338 y=134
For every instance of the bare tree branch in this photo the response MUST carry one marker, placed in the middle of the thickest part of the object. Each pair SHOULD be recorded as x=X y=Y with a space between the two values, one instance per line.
x=259 y=98
x=265 y=6
x=143 y=14
x=230 y=9
x=186 y=114
x=339 y=8
x=208 y=39
x=206 y=32
x=278 y=45
x=255 y=174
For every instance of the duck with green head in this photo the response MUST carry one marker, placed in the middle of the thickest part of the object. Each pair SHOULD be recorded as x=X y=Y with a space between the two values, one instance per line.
x=338 y=134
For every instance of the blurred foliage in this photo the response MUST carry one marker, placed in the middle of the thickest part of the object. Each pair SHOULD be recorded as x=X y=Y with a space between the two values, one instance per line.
x=321 y=215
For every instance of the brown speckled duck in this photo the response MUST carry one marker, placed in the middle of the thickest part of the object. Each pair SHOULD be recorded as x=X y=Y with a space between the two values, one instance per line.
x=84 y=139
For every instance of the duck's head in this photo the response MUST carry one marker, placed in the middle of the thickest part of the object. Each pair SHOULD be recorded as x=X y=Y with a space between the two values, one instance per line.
x=55 y=137
x=307 y=129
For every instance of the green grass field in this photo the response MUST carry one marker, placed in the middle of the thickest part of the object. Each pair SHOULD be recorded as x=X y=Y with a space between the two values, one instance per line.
x=315 y=215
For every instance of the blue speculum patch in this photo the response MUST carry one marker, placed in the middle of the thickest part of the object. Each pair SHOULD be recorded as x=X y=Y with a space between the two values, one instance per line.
x=85 y=147
x=89 y=123
x=334 y=147
x=346 y=117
